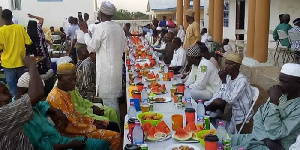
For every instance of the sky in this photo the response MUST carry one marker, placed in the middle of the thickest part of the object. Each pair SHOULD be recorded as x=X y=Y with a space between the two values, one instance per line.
x=130 y=5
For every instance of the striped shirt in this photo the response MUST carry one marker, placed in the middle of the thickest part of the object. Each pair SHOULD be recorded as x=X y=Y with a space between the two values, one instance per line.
x=13 y=116
x=295 y=45
x=237 y=93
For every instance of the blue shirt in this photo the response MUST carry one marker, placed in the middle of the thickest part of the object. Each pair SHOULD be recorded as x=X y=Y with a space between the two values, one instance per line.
x=71 y=31
x=163 y=23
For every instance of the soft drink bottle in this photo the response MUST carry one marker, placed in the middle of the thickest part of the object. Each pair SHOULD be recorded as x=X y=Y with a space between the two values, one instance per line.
x=200 y=111
x=138 y=134
x=132 y=111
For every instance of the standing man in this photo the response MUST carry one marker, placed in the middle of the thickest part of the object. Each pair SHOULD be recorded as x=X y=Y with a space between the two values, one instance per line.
x=13 y=39
x=71 y=35
x=193 y=30
x=109 y=43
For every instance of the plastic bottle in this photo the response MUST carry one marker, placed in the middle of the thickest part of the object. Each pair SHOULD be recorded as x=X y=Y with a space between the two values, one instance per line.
x=166 y=69
x=221 y=131
x=132 y=110
x=220 y=146
x=145 y=95
x=200 y=111
x=138 y=134
x=187 y=97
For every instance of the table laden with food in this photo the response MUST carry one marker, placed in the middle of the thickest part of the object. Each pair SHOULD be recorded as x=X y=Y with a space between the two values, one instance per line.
x=167 y=120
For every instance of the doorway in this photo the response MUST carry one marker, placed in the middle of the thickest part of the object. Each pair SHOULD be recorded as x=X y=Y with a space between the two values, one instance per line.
x=240 y=18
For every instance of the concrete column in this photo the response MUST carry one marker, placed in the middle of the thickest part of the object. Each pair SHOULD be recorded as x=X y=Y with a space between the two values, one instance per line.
x=185 y=8
x=1 y=21
x=179 y=13
x=262 y=23
x=196 y=7
x=211 y=17
x=251 y=29
x=218 y=20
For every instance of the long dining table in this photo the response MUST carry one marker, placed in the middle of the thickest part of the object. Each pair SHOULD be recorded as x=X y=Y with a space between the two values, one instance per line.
x=167 y=109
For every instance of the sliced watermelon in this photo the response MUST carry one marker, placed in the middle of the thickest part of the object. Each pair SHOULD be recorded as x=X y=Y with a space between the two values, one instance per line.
x=182 y=135
x=146 y=127
x=151 y=133
x=157 y=76
x=191 y=127
x=162 y=127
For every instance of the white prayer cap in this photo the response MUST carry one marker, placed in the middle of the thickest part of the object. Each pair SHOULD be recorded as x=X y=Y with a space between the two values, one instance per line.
x=107 y=8
x=210 y=38
x=158 y=28
x=62 y=60
x=23 y=81
x=291 y=69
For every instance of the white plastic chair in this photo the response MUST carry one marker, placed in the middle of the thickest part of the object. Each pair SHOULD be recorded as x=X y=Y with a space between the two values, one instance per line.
x=255 y=92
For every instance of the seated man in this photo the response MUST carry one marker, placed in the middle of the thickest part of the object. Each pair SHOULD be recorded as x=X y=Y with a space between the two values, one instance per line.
x=82 y=54
x=79 y=125
x=15 y=114
x=43 y=135
x=179 y=56
x=277 y=122
x=203 y=79
x=226 y=47
x=84 y=94
x=235 y=90
x=283 y=26
x=295 y=44
x=169 y=49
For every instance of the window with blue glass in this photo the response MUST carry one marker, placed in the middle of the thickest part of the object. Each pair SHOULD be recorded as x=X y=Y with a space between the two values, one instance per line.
x=226 y=14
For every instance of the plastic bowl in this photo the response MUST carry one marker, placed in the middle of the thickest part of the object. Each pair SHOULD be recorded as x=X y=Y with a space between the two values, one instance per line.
x=152 y=122
x=204 y=132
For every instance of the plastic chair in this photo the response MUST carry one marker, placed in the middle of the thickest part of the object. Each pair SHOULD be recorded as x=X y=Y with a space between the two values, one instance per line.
x=255 y=92
x=283 y=50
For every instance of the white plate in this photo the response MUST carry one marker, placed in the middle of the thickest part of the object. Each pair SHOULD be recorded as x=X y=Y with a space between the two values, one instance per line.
x=178 y=145
x=168 y=99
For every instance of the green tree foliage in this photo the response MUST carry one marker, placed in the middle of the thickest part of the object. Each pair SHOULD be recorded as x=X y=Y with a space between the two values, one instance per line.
x=121 y=14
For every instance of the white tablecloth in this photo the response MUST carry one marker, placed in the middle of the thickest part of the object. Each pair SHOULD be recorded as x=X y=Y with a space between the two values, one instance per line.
x=168 y=109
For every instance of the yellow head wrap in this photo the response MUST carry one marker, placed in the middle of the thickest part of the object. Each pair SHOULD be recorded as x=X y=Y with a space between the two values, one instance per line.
x=237 y=58
x=65 y=68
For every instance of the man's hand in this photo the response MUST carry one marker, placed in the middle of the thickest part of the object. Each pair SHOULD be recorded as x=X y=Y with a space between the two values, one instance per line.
x=77 y=145
x=29 y=62
x=223 y=74
x=98 y=111
x=273 y=145
x=30 y=15
x=59 y=118
x=275 y=93
x=83 y=26
x=101 y=124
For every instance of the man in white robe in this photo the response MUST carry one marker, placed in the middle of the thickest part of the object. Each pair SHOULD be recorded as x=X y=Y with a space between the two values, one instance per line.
x=109 y=43
x=203 y=80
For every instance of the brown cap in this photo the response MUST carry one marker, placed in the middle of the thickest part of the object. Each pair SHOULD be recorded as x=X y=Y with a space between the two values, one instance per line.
x=190 y=13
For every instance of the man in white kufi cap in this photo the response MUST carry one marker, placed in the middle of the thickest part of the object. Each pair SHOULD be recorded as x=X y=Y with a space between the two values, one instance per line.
x=276 y=124
x=109 y=43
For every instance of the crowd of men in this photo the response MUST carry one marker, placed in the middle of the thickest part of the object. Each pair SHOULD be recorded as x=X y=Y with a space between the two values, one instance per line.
x=37 y=113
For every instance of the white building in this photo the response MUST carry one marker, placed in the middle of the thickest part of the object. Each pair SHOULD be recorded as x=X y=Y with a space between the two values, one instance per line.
x=53 y=11
x=236 y=15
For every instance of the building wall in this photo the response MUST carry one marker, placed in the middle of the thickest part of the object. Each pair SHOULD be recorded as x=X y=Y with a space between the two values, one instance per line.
x=54 y=12
x=277 y=7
